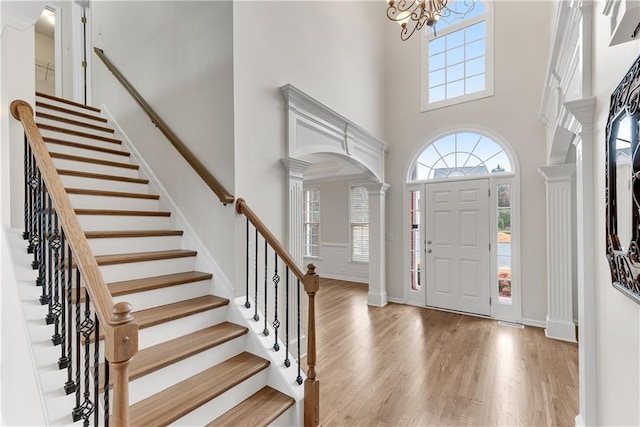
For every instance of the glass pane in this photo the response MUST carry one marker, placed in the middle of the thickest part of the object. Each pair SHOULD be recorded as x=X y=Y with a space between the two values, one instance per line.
x=455 y=39
x=436 y=78
x=474 y=66
x=436 y=45
x=474 y=84
x=455 y=72
x=455 y=56
x=475 y=49
x=437 y=61
x=455 y=89
x=436 y=94
x=475 y=32
x=504 y=243
x=414 y=239
x=465 y=9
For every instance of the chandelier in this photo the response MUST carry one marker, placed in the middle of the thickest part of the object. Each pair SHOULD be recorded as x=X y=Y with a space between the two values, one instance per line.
x=412 y=15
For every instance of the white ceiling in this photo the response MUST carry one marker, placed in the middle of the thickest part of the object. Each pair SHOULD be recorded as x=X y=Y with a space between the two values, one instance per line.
x=43 y=25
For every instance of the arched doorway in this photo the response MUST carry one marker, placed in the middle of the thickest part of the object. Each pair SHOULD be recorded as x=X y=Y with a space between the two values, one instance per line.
x=462 y=218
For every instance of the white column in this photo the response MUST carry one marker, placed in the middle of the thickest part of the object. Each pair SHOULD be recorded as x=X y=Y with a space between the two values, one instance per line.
x=583 y=110
x=377 y=257
x=560 y=323
x=295 y=169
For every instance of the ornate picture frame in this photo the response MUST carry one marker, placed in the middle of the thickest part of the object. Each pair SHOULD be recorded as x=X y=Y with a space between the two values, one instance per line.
x=623 y=185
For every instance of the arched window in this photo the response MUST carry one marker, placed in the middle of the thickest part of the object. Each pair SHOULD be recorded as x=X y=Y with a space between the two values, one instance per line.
x=457 y=59
x=460 y=154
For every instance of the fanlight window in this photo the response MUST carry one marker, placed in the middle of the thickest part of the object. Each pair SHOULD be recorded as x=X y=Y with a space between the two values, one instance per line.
x=460 y=154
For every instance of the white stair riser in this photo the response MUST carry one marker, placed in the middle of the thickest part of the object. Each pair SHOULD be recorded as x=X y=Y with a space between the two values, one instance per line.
x=103 y=184
x=76 y=151
x=290 y=417
x=81 y=139
x=139 y=270
x=122 y=222
x=221 y=404
x=145 y=386
x=168 y=295
x=163 y=332
x=95 y=168
x=104 y=246
x=40 y=109
x=75 y=128
x=86 y=201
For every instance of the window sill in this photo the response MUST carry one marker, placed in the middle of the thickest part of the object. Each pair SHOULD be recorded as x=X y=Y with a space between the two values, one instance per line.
x=429 y=106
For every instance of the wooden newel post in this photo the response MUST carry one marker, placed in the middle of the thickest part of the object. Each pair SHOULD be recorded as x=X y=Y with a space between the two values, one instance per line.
x=311 y=384
x=122 y=345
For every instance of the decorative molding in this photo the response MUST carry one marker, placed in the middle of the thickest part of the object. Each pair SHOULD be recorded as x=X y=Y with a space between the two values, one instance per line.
x=295 y=167
x=377 y=245
x=624 y=19
x=534 y=322
x=21 y=15
x=314 y=128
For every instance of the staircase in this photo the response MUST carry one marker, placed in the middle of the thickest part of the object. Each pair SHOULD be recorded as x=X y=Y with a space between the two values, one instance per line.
x=193 y=366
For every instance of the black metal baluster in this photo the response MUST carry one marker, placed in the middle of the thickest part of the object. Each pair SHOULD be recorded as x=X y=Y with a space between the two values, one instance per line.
x=78 y=343
x=49 y=259
x=299 y=379
x=42 y=247
x=247 y=304
x=37 y=225
x=287 y=362
x=64 y=295
x=56 y=305
x=25 y=234
x=106 y=389
x=265 y=331
x=96 y=369
x=67 y=362
x=255 y=300
x=276 y=322
x=33 y=208
x=87 y=327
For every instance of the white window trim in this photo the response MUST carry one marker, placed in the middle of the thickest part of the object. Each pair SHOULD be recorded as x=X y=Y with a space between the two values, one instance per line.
x=489 y=61
x=351 y=260
x=304 y=246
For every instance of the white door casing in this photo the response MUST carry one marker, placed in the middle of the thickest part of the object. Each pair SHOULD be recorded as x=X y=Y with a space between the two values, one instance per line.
x=457 y=246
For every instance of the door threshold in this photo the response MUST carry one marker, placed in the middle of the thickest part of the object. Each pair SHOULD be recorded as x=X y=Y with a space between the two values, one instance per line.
x=466 y=313
x=510 y=324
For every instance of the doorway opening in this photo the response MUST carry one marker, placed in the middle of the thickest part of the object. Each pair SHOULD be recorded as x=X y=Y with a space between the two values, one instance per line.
x=462 y=219
x=45 y=52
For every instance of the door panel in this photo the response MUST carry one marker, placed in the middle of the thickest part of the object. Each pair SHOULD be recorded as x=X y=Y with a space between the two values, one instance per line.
x=457 y=237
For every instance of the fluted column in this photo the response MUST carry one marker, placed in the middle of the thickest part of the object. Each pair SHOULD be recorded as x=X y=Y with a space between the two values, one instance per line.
x=560 y=324
x=295 y=169
x=377 y=257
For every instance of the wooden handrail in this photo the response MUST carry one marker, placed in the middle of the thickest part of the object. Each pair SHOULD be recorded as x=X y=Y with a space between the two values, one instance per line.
x=224 y=196
x=243 y=209
x=121 y=332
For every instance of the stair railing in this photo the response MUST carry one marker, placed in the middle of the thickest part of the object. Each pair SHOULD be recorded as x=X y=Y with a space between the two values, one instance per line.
x=311 y=282
x=224 y=196
x=80 y=306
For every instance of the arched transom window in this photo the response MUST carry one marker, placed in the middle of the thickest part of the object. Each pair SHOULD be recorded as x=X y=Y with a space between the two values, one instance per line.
x=460 y=154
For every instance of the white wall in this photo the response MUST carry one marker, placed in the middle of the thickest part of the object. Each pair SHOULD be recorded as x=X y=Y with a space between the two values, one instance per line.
x=512 y=113
x=617 y=317
x=179 y=57
x=334 y=259
x=329 y=50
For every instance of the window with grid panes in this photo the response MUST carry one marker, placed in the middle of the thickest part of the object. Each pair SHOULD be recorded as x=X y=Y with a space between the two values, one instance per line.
x=311 y=222
x=457 y=62
x=359 y=207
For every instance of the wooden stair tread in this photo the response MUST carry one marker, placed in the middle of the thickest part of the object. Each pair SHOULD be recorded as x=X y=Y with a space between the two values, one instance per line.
x=92 y=160
x=78 y=133
x=258 y=410
x=131 y=233
x=82 y=146
x=69 y=111
x=105 y=193
x=102 y=176
x=149 y=283
x=143 y=256
x=72 y=122
x=178 y=400
x=127 y=287
x=166 y=313
x=117 y=212
x=66 y=101
x=160 y=355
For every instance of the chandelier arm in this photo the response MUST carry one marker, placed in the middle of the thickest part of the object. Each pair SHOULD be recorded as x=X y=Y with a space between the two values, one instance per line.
x=402 y=10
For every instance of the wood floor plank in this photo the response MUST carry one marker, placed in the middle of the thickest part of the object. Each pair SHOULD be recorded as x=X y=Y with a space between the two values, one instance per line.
x=66 y=101
x=165 y=313
x=69 y=111
x=72 y=122
x=57 y=141
x=401 y=365
x=119 y=212
x=259 y=410
x=84 y=159
x=91 y=175
x=104 y=193
x=112 y=259
x=174 y=402
x=60 y=129
x=157 y=282
x=108 y=234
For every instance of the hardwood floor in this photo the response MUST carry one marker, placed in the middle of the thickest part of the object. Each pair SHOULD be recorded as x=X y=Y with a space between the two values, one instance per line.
x=409 y=366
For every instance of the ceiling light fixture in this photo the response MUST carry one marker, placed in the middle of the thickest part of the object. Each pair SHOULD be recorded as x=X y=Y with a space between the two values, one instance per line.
x=412 y=15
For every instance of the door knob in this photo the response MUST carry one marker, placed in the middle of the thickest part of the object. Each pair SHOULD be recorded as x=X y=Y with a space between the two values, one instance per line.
x=428 y=251
x=428 y=242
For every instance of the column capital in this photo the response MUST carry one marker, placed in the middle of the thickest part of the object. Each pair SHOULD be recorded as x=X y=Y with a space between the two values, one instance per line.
x=376 y=188
x=295 y=167
x=558 y=173
x=583 y=110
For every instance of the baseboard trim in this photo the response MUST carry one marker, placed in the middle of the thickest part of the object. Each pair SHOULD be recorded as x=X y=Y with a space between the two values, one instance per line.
x=534 y=323
x=580 y=421
x=395 y=300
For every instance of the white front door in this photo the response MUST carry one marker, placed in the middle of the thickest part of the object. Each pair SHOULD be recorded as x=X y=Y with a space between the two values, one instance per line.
x=457 y=246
